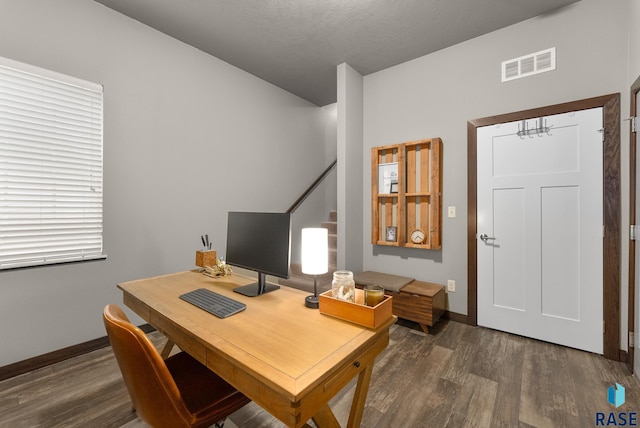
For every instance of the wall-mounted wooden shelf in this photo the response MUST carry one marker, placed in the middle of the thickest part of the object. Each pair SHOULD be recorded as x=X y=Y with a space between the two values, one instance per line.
x=406 y=194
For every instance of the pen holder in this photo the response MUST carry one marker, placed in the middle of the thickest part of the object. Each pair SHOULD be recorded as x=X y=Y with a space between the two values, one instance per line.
x=206 y=258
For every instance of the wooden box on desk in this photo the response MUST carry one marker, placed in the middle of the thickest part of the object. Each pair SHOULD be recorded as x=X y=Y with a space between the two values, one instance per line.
x=206 y=258
x=358 y=313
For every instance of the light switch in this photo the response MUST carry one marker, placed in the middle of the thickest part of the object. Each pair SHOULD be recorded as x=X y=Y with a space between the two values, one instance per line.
x=452 y=212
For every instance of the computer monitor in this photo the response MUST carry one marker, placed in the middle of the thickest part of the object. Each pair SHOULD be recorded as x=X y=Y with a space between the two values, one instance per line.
x=260 y=242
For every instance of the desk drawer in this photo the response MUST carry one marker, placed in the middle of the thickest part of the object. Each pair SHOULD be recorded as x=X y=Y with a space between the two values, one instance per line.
x=354 y=366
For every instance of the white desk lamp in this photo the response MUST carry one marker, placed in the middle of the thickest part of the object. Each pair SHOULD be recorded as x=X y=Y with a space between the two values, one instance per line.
x=315 y=258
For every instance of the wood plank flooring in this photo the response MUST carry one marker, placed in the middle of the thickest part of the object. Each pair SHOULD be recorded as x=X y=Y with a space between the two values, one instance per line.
x=459 y=376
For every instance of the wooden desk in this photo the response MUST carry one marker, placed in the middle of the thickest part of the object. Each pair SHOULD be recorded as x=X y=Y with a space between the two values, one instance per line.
x=287 y=358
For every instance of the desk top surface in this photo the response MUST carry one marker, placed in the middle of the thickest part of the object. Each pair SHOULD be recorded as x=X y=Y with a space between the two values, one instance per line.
x=276 y=338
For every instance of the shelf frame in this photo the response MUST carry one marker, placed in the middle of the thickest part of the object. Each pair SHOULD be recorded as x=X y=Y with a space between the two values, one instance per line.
x=418 y=202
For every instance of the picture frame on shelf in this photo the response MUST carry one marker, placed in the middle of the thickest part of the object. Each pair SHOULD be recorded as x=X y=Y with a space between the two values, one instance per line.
x=387 y=174
x=394 y=187
x=392 y=234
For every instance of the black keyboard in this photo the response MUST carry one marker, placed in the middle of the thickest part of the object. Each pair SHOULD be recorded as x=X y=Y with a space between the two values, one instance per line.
x=214 y=303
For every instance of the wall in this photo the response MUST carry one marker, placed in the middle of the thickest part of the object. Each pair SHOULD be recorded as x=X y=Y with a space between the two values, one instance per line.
x=317 y=206
x=350 y=167
x=187 y=138
x=435 y=96
x=633 y=18
x=331 y=135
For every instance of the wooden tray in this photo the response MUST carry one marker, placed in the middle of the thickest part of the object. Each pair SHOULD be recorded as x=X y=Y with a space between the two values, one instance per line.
x=358 y=313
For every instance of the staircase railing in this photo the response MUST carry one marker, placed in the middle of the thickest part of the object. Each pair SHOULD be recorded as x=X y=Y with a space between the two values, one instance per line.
x=307 y=192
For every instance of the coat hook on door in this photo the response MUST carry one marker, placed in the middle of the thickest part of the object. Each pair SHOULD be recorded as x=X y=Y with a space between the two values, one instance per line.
x=540 y=129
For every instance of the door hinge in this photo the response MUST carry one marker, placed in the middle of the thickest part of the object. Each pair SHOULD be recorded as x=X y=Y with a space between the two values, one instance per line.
x=632 y=232
x=631 y=340
x=603 y=330
x=633 y=120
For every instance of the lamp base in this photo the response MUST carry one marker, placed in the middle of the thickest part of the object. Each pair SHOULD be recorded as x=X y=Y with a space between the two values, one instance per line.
x=311 y=302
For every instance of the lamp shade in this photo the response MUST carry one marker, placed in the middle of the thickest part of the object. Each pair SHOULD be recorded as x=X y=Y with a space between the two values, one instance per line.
x=315 y=250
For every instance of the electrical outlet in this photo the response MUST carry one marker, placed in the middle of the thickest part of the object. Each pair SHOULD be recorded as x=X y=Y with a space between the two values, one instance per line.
x=451 y=212
x=451 y=286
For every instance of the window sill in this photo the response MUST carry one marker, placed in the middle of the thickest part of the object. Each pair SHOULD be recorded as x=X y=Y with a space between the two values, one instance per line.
x=53 y=263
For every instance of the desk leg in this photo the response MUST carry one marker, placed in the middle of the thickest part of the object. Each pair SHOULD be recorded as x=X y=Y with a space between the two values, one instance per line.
x=325 y=418
x=360 y=397
x=167 y=349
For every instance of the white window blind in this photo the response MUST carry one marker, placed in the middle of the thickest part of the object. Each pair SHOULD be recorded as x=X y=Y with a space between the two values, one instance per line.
x=50 y=167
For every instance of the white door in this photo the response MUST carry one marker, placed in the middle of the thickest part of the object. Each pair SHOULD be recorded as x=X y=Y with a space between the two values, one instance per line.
x=540 y=213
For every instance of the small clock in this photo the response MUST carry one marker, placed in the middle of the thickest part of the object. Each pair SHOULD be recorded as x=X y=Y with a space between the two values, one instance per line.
x=417 y=236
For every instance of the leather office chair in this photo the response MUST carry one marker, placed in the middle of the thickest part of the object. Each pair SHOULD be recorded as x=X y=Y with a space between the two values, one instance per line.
x=176 y=392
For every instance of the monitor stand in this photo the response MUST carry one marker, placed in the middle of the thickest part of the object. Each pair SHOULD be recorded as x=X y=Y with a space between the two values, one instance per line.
x=257 y=288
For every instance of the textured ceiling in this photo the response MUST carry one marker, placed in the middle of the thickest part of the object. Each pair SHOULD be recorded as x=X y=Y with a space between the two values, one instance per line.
x=297 y=44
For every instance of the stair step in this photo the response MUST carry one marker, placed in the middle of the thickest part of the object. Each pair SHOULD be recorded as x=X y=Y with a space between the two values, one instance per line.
x=332 y=226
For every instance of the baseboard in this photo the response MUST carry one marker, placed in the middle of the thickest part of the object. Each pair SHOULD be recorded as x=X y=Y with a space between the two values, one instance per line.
x=53 y=357
x=453 y=316
x=623 y=356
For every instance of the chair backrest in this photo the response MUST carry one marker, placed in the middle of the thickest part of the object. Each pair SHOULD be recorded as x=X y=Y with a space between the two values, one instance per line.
x=153 y=391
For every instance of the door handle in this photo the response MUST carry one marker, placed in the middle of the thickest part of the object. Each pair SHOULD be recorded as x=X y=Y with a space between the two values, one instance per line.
x=486 y=237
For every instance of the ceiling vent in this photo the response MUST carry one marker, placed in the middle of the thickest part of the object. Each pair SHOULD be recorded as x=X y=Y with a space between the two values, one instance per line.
x=529 y=65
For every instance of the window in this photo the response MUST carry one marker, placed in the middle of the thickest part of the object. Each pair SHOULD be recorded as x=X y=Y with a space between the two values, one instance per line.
x=50 y=167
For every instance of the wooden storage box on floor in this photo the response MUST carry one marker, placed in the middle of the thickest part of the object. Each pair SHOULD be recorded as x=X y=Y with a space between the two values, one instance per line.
x=421 y=302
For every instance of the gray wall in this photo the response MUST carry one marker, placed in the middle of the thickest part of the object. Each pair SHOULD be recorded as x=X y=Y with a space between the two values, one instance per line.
x=187 y=138
x=350 y=168
x=435 y=96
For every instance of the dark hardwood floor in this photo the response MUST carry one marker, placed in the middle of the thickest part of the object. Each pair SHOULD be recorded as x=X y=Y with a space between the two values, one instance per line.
x=459 y=376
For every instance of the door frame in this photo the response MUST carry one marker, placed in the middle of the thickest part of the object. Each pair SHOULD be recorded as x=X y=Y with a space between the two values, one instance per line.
x=611 y=206
x=635 y=88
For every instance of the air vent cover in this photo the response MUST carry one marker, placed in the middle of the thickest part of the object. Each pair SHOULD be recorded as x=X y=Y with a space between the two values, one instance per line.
x=528 y=65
